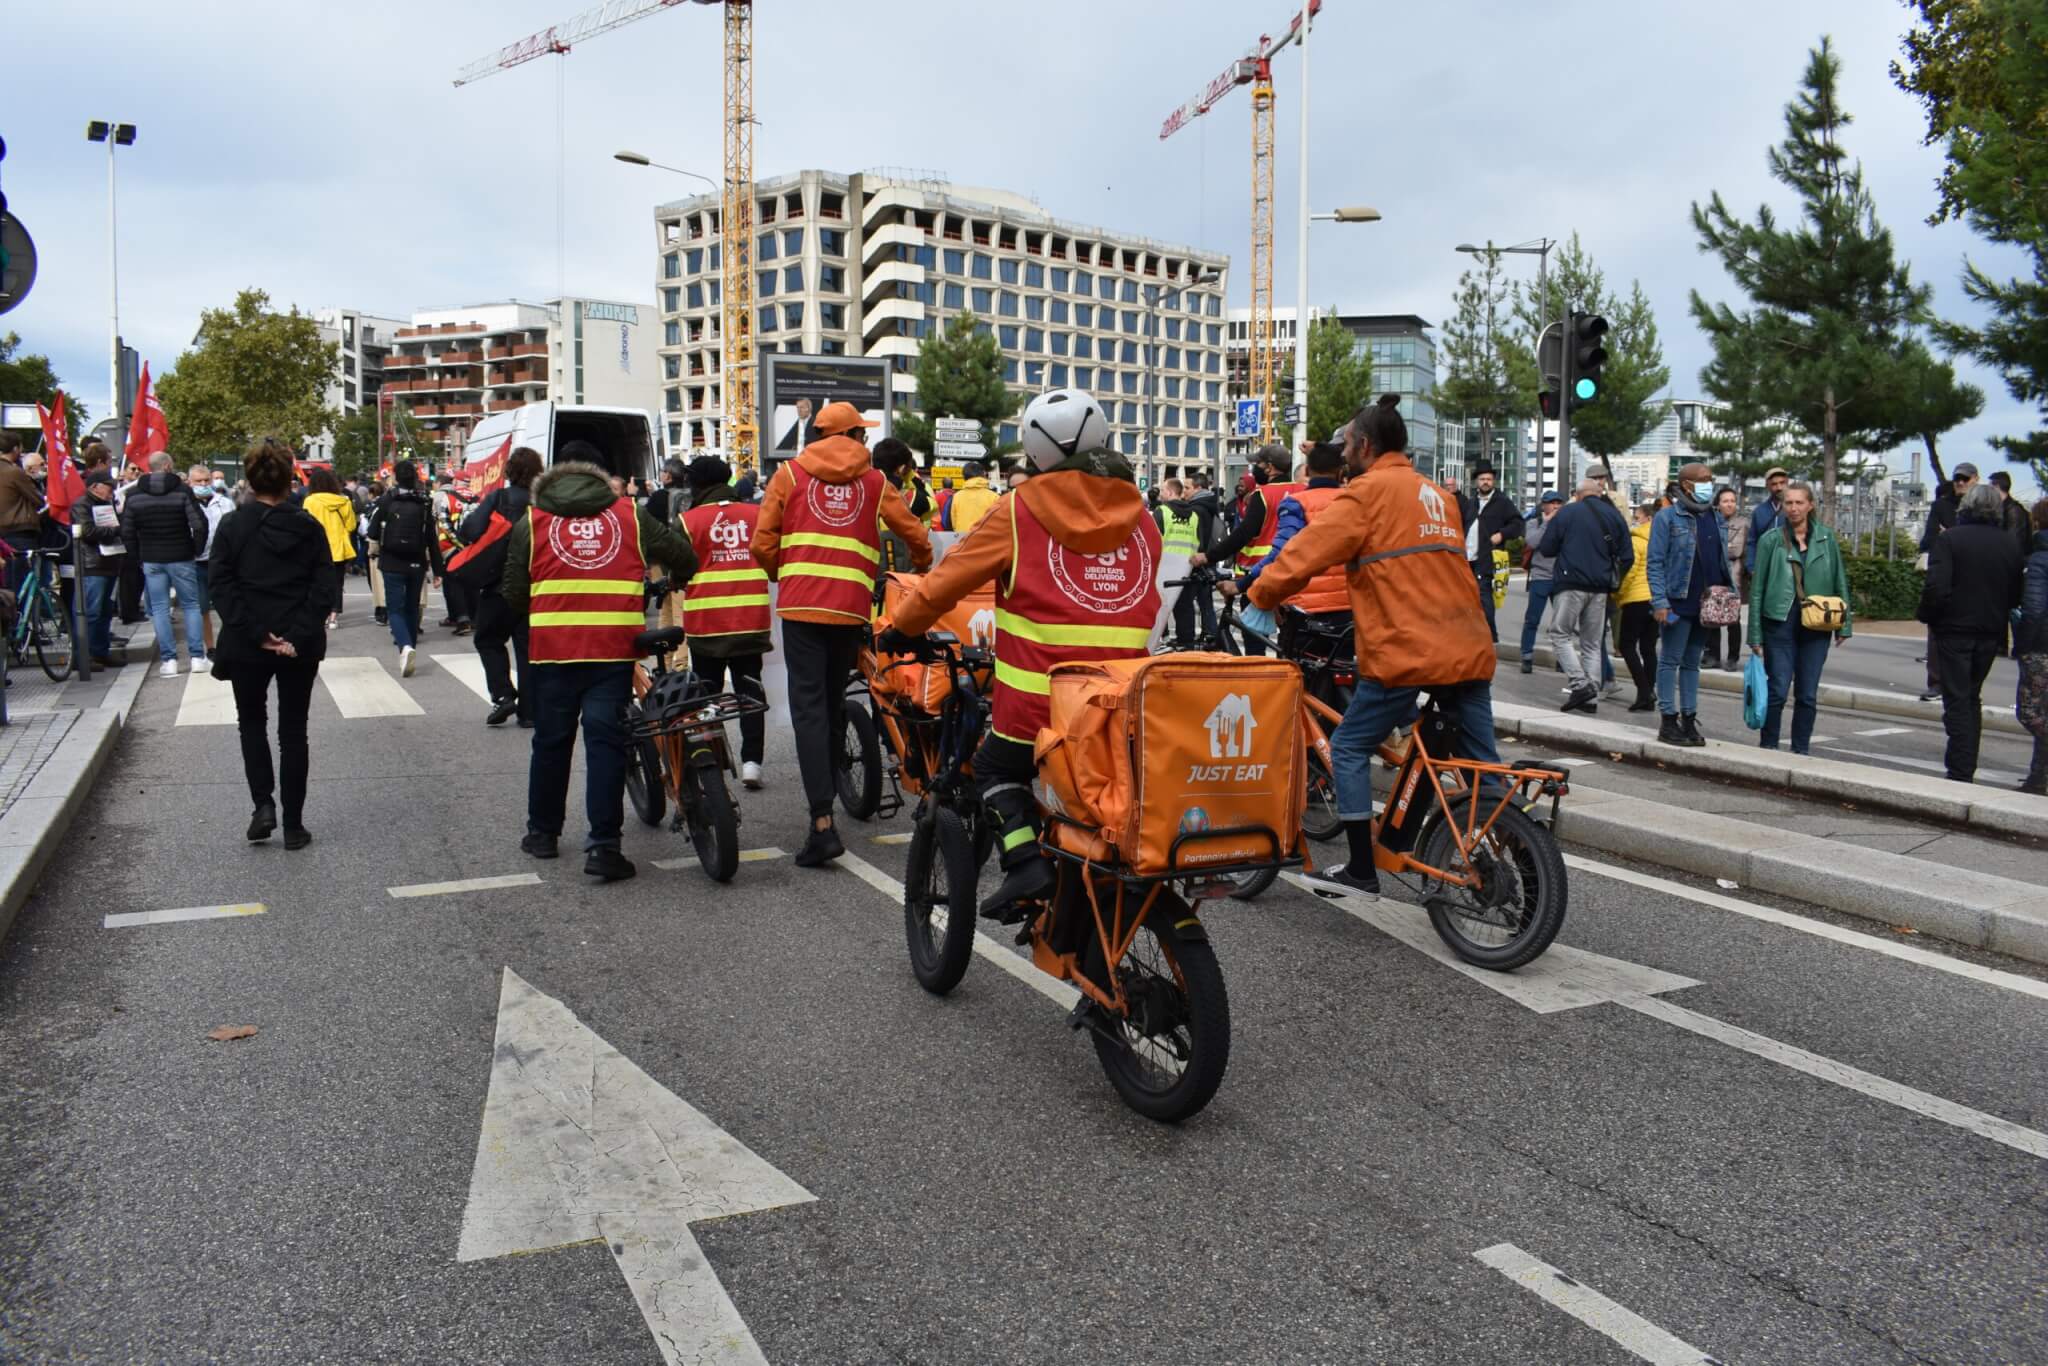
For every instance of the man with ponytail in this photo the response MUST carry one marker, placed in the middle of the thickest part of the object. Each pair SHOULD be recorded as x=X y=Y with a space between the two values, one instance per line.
x=1415 y=604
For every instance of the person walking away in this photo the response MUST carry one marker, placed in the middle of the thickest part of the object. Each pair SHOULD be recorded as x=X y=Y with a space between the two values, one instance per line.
x=666 y=505
x=1724 y=644
x=2013 y=513
x=99 y=535
x=497 y=625
x=272 y=572
x=1413 y=607
x=898 y=464
x=2030 y=643
x=1638 y=631
x=1081 y=511
x=1799 y=559
x=819 y=536
x=336 y=514
x=971 y=501
x=163 y=527
x=725 y=608
x=576 y=568
x=1973 y=583
x=21 y=511
x=216 y=505
x=1541 y=573
x=371 y=570
x=1258 y=521
x=1489 y=517
x=1687 y=557
x=1941 y=515
x=1592 y=550
x=455 y=594
x=1180 y=531
x=408 y=551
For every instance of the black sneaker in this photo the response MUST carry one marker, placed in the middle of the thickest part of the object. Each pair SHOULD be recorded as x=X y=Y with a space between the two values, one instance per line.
x=1644 y=702
x=607 y=864
x=1585 y=698
x=1030 y=880
x=1528 y=666
x=539 y=844
x=381 y=617
x=1931 y=695
x=820 y=848
x=1342 y=879
x=262 y=822
x=502 y=712
x=297 y=837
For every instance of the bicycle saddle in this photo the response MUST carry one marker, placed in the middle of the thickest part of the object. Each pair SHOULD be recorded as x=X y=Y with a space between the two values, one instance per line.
x=658 y=642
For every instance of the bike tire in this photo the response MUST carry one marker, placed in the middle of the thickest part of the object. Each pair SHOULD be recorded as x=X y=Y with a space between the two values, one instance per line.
x=940 y=879
x=858 y=773
x=1200 y=1019
x=1527 y=891
x=644 y=786
x=51 y=633
x=714 y=822
x=1319 y=812
x=1250 y=885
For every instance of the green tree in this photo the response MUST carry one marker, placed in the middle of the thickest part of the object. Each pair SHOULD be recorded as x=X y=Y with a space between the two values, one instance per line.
x=252 y=373
x=1748 y=436
x=959 y=374
x=26 y=377
x=1925 y=402
x=355 y=444
x=1476 y=380
x=1980 y=67
x=1831 y=307
x=1339 y=378
x=1628 y=406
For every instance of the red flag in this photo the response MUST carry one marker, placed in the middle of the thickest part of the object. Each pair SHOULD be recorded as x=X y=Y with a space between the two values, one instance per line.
x=58 y=433
x=488 y=473
x=148 y=433
x=65 y=487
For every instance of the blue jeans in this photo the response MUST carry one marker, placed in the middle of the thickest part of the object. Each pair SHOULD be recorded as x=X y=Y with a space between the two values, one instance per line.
x=99 y=614
x=1793 y=659
x=160 y=579
x=1374 y=713
x=563 y=694
x=1539 y=599
x=402 y=590
x=1679 y=646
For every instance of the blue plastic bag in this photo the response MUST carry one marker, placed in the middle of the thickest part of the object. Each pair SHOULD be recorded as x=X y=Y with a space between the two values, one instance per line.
x=1756 y=692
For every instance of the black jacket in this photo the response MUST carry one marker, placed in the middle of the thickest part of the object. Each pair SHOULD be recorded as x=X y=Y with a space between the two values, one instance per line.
x=271 y=574
x=1591 y=546
x=1251 y=519
x=387 y=559
x=486 y=569
x=1973 y=581
x=1940 y=517
x=1499 y=515
x=92 y=536
x=2031 y=636
x=161 y=522
x=1207 y=513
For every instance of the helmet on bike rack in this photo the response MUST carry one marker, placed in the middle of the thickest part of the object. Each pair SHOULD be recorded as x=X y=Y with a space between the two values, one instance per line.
x=669 y=695
x=1061 y=423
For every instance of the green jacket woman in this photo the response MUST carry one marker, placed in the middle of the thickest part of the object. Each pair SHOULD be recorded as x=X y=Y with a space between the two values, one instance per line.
x=1771 y=593
x=1797 y=556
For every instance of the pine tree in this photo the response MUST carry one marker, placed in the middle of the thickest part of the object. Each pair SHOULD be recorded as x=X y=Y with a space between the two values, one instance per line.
x=1830 y=305
x=1475 y=379
x=1748 y=436
x=1925 y=402
x=1339 y=378
x=959 y=374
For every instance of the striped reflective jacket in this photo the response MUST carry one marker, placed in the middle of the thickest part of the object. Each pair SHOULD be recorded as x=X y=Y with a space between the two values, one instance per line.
x=587 y=580
x=831 y=546
x=729 y=594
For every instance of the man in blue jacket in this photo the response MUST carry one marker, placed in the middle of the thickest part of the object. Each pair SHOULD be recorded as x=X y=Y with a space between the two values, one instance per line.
x=1592 y=550
x=1764 y=516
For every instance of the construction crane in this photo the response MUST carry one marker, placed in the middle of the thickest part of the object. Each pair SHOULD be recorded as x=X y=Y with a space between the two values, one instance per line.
x=1255 y=69
x=736 y=209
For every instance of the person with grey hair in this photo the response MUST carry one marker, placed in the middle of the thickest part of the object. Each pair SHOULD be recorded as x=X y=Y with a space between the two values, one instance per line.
x=1592 y=551
x=1973 y=583
x=164 y=529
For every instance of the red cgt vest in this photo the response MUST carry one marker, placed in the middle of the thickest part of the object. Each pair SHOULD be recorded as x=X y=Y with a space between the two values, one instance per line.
x=588 y=581
x=728 y=595
x=1262 y=544
x=1329 y=591
x=831 y=545
x=1057 y=606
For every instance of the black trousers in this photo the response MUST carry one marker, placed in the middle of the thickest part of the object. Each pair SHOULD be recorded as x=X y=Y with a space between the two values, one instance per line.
x=745 y=671
x=497 y=625
x=1965 y=662
x=1639 y=645
x=1003 y=770
x=820 y=660
x=461 y=599
x=1482 y=574
x=128 y=600
x=251 y=684
x=1185 y=607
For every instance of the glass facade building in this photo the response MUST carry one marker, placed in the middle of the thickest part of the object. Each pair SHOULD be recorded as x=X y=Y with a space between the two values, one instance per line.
x=1403 y=357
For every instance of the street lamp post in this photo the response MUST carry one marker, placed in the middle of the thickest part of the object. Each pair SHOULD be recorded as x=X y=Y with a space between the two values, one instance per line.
x=636 y=159
x=1539 y=247
x=121 y=135
x=1154 y=296
x=1356 y=213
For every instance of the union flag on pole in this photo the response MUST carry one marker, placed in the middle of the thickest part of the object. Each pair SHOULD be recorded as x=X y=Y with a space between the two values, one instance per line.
x=148 y=433
x=65 y=487
x=488 y=473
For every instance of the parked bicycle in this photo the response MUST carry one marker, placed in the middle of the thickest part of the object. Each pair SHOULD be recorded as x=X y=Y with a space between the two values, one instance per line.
x=42 y=626
x=677 y=752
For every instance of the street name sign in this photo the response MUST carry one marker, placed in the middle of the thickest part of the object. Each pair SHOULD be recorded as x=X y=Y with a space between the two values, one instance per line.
x=958 y=450
x=956 y=429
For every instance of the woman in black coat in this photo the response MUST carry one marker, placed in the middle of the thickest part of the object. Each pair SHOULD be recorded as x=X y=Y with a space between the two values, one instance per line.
x=497 y=625
x=271 y=576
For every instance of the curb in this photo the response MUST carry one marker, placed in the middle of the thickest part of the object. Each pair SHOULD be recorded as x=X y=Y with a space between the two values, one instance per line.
x=1876 y=700
x=36 y=823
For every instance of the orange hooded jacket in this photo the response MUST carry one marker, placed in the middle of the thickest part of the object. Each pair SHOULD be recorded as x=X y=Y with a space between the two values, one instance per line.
x=836 y=460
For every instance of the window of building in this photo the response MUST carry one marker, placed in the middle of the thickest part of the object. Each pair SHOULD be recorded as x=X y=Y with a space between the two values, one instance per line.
x=832 y=279
x=1173 y=358
x=1034 y=373
x=1130 y=353
x=764 y=249
x=1105 y=288
x=764 y=284
x=1172 y=329
x=1084 y=346
x=764 y=209
x=1130 y=413
x=1034 y=275
x=671 y=267
x=792 y=315
x=984 y=266
x=1215 y=334
x=1006 y=433
x=1084 y=315
x=956 y=296
x=673 y=400
x=956 y=262
x=832 y=317
x=1131 y=320
x=1061 y=278
x=1059 y=310
x=1034 y=339
x=1130 y=384
x=831 y=205
x=1084 y=283
x=671 y=299
x=675 y=435
x=672 y=366
x=1130 y=293
x=984 y=301
x=693 y=260
x=1009 y=370
x=1215 y=362
x=714 y=255
x=1059 y=343
x=1006 y=336
x=767 y=318
x=1215 y=306
x=1215 y=392
x=793 y=280
x=1173 y=448
x=1172 y=388
x=793 y=242
x=1084 y=376
x=1128 y=443
x=1006 y=304
x=1008 y=271
x=828 y=347
x=1170 y=415
x=1058 y=376
x=1034 y=307
x=1191 y=303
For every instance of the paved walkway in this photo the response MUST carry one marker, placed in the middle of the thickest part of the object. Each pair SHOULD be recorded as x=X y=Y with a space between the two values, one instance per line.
x=25 y=746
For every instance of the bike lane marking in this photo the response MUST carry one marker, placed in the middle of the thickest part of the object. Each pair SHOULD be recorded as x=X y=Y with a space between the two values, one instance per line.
x=132 y=918
x=467 y=884
x=1885 y=730
x=206 y=701
x=1624 y=1327
x=763 y=855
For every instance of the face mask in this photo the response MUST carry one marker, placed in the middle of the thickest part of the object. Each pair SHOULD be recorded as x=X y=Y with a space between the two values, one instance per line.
x=1690 y=492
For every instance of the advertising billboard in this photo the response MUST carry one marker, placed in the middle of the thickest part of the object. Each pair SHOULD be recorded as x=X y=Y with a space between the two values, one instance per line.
x=795 y=388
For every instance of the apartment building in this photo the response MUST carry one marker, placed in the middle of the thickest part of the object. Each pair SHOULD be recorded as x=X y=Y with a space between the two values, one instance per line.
x=363 y=340
x=1403 y=357
x=871 y=263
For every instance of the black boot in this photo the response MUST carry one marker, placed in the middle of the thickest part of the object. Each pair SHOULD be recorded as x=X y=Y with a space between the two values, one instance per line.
x=1645 y=701
x=1028 y=879
x=1689 y=726
x=607 y=864
x=2036 y=781
x=820 y=847
x=262 y=822
x=1669 y=731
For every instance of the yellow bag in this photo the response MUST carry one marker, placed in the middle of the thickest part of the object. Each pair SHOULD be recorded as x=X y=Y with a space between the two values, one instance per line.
x=1823 y=614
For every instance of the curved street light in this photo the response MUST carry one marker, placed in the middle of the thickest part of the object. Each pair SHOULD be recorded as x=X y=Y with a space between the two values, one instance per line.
x=640 y=159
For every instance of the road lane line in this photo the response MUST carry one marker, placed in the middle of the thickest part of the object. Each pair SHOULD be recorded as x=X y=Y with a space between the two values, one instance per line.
x=2029 y=1141
x=897 y=837
x=1624 y=1327
x=206 y=701
x=1009 y=960
x=122 y=922
x=468 y=670
x=1820 y=929
x=467 y=884
x=1884 y=730
x=764 y=855
x=360 y=688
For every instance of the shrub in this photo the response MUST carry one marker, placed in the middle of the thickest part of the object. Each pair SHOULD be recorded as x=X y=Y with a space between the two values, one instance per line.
x=1884 y=590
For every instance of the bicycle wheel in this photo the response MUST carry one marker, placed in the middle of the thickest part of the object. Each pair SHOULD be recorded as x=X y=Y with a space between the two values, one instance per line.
x=714 y=822
x=1251 y=884
x=1319 y=813
x=643 y=781
x=1166 y=1056
x=1518 y=907
x=938 y=899
x=859 y=768
x=51 y=634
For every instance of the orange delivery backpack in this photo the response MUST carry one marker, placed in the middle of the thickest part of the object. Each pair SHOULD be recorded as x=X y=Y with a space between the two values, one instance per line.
x=925 y=686
x=1174 y=764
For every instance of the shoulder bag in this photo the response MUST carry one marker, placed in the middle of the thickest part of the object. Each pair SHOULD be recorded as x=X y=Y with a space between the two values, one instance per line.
x=1815 y=614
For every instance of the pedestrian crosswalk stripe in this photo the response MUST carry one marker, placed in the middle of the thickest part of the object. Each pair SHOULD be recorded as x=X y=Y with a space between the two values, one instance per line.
x=897 y=837
x=468 y=670
x=361 y=687
x=1882 y=730
x=118 y=922
x=206 y=701
x=468 y=884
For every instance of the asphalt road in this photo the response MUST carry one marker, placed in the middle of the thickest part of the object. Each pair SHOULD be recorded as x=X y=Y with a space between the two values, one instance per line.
x=981 y=1195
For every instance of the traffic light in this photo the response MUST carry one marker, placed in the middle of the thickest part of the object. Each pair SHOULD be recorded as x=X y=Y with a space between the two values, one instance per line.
x=1588 y=356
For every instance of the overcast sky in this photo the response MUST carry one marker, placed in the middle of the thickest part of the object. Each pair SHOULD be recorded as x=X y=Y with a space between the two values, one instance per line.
x=319 y=150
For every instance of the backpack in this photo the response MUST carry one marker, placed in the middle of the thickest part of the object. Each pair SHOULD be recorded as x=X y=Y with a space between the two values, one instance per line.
x=405 y=528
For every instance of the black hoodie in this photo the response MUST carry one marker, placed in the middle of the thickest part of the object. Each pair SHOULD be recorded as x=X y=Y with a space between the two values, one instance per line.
x=271 y=574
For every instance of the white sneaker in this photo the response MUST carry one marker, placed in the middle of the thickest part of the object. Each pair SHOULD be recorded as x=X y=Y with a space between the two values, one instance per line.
x=202 y=665
x=405 y=661
x=168 y=669
x=750 y=774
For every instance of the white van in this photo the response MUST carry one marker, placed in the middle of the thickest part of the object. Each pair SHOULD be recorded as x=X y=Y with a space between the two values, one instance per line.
x=624 y=437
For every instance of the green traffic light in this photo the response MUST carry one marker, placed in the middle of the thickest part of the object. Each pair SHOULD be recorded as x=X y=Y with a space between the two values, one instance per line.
x=1586 y=390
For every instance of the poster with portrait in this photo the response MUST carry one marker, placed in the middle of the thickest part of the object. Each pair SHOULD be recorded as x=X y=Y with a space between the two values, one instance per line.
x=796 y=388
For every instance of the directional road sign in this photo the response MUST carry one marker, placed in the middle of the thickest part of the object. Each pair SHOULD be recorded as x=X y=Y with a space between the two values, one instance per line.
x=956 y=429
x=1251 y=413
x=959 y=450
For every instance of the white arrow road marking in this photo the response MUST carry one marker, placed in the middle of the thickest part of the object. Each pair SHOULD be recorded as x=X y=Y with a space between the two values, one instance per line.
x=1629 y=1330
x=579 y=1144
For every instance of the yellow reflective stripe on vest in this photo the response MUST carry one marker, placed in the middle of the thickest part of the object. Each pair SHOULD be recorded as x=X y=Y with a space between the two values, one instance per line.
x=1023 y=680
x=729 y=576
x=588 y=619
x=1257 y=551
x=820 y=541
x=829 y=571
x=570 y=587
x=1008 y=623
x=731 y=600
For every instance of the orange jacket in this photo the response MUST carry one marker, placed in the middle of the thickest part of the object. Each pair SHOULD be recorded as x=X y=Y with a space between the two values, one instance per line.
x=1413 y=597
x=837 y=460
x=1084 y=512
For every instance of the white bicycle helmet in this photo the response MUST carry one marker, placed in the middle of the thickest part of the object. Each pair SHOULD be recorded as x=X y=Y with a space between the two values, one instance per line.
x=1060 y=423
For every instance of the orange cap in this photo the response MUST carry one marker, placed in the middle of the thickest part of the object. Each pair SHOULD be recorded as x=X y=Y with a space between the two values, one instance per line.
x=840 y=417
